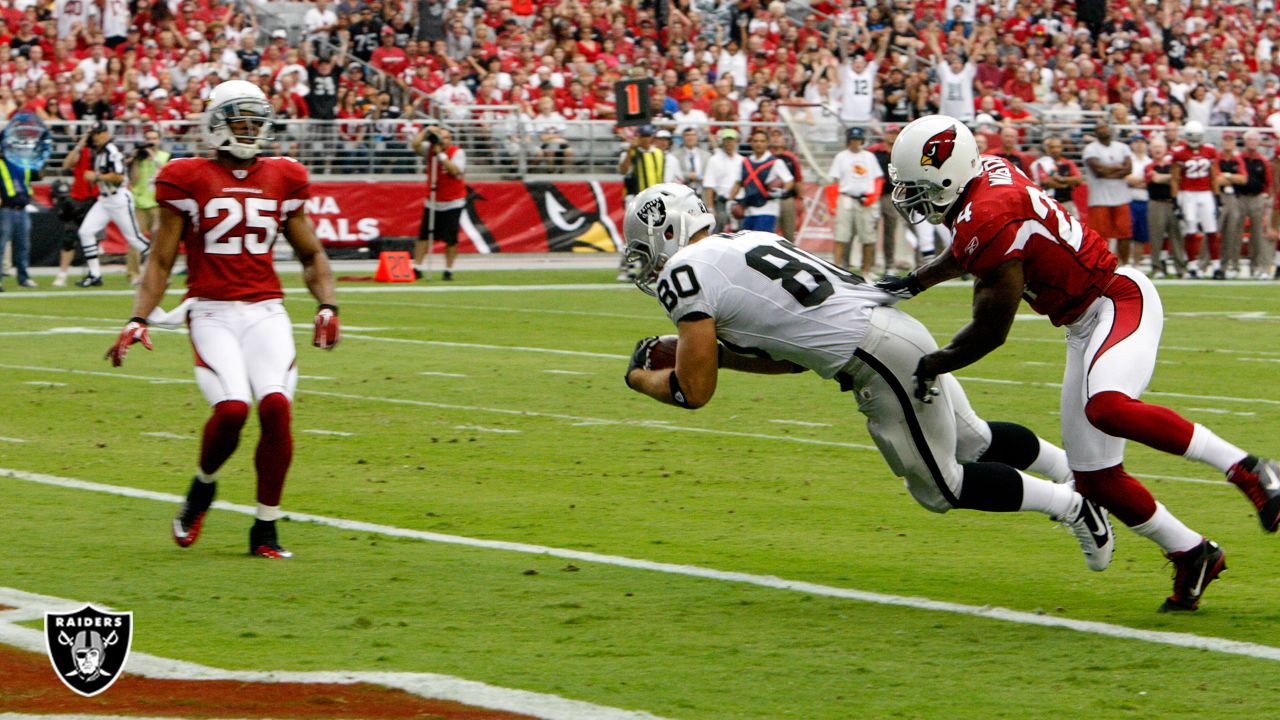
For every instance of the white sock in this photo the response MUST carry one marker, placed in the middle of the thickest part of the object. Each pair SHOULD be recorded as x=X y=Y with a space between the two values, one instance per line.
x=210 y=478
x=1043 y=496
x=95 y=267
x=1210 y=449
x=268 y=513
x=1052 y=463
x=1168 y=532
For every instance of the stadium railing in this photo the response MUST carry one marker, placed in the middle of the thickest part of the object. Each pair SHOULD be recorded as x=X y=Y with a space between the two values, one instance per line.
x=501 y=143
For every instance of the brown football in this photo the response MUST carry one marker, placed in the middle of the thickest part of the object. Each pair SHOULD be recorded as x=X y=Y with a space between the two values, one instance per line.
x=663 y=354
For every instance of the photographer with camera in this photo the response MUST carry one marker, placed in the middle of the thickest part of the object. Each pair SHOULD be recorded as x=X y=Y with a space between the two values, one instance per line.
x=446 y=197
x=148 y=158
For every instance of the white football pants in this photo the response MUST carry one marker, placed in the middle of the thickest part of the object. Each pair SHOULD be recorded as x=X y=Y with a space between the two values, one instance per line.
x=924 y=443
x=243 y=350
x=115 y=208
x=1111 y=348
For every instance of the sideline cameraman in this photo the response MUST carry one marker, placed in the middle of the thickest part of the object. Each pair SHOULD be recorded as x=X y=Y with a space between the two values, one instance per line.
x=446 y=196
x=148 y=158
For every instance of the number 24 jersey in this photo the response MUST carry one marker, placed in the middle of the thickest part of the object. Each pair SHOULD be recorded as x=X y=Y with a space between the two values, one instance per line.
x=1003 y=216
x=770 y=298
x=233 y=218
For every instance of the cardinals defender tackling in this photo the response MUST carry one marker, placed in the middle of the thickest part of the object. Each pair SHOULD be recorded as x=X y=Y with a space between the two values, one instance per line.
x=1020 y=243
x=229 y=211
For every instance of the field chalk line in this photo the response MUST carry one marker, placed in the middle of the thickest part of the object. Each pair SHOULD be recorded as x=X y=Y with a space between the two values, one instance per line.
x=31 y=606
x=1184 y=640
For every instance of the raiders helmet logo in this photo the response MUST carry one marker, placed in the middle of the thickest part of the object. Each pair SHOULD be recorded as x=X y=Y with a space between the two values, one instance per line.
x=654 y=213
x=88 y=647
x=937 y=149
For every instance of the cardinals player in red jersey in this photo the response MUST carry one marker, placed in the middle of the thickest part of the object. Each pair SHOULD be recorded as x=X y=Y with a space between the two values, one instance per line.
x=1195 y=176
x=1020 y=243
x=229 y=210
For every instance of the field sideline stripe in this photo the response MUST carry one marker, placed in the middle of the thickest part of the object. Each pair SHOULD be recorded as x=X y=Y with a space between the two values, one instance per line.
x=1185 y=640
x=427 y=685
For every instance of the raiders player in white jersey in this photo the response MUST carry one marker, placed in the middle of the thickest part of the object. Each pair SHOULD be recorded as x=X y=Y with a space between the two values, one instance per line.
x=753 y=302
x=114 y=203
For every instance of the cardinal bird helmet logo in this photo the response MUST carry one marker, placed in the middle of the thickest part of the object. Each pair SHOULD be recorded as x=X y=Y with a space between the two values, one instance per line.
x=937 y=149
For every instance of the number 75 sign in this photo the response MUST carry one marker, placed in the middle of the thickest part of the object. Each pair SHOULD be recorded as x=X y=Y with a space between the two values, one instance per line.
x=633 y=98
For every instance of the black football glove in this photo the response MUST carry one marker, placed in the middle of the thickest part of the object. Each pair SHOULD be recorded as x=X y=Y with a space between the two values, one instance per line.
x=924 y=382
x=640 y=356
x=904 y=286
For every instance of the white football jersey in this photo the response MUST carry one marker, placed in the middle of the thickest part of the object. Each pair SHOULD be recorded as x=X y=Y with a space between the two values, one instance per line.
x=769 y=297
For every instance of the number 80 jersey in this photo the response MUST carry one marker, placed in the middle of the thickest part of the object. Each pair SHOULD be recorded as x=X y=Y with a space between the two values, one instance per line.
x=769 y=298
x=233 y=218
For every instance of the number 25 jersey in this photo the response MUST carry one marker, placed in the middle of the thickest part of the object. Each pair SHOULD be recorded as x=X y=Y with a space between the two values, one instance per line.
x=1003 y=216
x=769 y=298
x=233 y=218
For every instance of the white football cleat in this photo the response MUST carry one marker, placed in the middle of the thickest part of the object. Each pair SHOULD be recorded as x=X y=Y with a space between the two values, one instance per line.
x=1092 y=528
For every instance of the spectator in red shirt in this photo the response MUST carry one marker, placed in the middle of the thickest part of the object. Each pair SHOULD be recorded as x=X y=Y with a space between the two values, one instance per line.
x=1009 y=150
x=387 y=57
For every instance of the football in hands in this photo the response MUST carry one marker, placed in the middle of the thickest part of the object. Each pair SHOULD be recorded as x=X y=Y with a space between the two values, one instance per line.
x=663 y=354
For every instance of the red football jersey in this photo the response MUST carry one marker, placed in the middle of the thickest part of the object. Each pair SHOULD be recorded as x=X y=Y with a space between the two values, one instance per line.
x=1196 y=165
x=233 y=219
x=1003 y=216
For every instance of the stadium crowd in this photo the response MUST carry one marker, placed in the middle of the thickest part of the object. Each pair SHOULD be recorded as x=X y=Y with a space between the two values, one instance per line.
x=1018 y=71
x=1145 y=62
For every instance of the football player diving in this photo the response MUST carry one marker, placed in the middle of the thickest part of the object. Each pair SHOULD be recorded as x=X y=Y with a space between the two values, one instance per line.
x=229 y=210
x=753 y=302
x=1020 y=243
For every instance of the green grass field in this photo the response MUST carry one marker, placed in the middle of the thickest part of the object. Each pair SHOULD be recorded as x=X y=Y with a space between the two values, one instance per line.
x=500 y=414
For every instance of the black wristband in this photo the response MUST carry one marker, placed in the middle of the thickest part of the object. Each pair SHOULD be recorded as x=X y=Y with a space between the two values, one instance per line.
x=677 y=395
x=327 y=306
x=139 y=320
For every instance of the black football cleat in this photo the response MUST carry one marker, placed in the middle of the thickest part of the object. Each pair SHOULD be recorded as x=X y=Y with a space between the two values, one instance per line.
x=263 y=542
x=190 y=519
x=1193 y=570
x=89 y=281
x=1259 y=480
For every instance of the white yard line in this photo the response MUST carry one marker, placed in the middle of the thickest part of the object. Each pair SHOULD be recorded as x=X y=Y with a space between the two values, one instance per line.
x=31 y=606
x=567 y=372
x=11 y=439
x=168 y=436
x=44 y=383
x=482 y=428
x=430 y=373
x=802 y=423
x=338 y=433
x=1185 y=640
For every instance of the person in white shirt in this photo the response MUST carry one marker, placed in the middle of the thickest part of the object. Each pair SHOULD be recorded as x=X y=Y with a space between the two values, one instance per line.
x=689 y=117
x=455 y=97
x=723 y=170
x=956 y=88
x=764 y=178
x=75 y=12
x=1106 y=165
x=861 y=181
x=94 y=65
x=733 y=63
x=116 y=19
x=548 y=126
x=857 y=89
x=1138 y=196
x=318 y=21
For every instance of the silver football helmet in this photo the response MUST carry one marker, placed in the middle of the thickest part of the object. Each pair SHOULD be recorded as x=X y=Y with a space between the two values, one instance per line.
x=659 y=223
x=239 y=119
x=932 y=161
